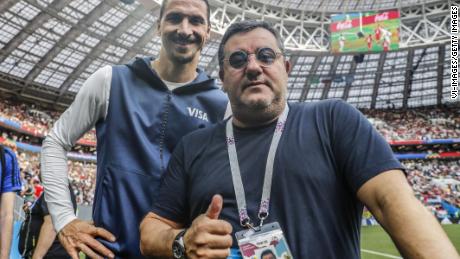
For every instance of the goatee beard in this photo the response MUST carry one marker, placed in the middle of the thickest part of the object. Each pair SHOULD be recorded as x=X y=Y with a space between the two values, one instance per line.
x=258 y=113
x=183 y=59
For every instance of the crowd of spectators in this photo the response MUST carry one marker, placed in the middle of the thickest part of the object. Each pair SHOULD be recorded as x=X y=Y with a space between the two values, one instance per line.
x=416 y=124
x=27 y=116
x=394 y=124
x=36 y=121
x=437 y=184
x=82 y=177
x=83 y=181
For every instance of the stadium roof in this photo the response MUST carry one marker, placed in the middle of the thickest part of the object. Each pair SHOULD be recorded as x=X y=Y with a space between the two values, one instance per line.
x=49 y=48
x=340 y=6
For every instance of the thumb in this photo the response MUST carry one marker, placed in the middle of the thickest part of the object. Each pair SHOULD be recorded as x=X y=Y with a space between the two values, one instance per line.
x=215 y=207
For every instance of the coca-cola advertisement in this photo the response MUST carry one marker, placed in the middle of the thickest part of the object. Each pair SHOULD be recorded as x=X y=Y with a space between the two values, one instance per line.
x=365 y=32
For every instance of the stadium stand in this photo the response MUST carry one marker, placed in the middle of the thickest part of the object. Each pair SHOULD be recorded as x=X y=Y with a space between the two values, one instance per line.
x=405 y=126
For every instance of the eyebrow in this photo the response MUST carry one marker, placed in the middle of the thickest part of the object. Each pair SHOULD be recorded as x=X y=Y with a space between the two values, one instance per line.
x=176 y=13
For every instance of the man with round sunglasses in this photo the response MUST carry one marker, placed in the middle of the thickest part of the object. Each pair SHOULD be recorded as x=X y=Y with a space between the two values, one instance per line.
x=304 y=169
x=264 y=56
x=141 y=110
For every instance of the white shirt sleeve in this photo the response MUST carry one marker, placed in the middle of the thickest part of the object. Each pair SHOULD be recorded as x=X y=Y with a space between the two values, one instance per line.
x=90 y=106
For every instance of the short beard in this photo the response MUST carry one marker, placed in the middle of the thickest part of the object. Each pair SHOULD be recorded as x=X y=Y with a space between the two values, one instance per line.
x=258 y=113
x=256 y=106
x=182 y=59
x=178 y=59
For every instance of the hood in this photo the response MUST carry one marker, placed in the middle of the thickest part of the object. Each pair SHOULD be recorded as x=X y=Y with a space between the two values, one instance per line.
x=141 y=67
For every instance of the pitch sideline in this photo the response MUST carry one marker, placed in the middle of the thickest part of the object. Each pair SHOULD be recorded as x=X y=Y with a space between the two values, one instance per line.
x=381 y=254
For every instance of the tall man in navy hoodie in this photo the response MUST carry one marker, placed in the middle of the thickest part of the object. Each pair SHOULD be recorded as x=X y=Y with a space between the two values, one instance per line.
x=140 y=110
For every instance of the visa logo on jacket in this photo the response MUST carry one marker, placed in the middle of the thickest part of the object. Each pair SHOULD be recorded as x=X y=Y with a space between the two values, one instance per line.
x=197 y=113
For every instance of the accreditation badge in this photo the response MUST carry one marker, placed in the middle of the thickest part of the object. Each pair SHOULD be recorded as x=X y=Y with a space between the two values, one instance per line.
x=265 y=242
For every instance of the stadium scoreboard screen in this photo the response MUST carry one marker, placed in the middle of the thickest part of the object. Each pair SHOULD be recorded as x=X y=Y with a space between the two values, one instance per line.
x=365 y=32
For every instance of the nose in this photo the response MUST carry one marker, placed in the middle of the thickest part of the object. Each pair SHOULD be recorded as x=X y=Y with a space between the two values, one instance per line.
x=185 y=27
x=253 y=69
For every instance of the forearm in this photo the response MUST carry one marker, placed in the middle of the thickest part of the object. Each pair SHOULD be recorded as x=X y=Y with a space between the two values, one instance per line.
x=55 y=178
x=6 y=236
x=416 y=232
x=45 y=239
x=6 y=225
x=157 y=237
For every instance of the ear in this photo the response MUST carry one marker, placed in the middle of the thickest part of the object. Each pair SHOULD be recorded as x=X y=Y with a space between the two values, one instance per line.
x=208 y=34
x=221 y=76
x=158 y=32
x=288 y=66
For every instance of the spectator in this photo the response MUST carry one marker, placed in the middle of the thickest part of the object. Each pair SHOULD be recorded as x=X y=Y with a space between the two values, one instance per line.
x=37 y=238
x=9 y=184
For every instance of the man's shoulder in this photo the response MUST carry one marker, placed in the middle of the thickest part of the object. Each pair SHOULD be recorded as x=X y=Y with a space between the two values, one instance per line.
x=324 y=112
x=322 y=105
x=202 y=136
x=8 y=152
x=136 y=60
x=138 y=65
x=205 y=132
x=218 y=95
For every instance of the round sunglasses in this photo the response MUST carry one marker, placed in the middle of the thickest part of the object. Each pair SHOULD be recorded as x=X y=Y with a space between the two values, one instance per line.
x=264 y=56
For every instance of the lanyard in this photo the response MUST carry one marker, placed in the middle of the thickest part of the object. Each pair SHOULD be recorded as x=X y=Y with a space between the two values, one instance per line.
x=236 y=174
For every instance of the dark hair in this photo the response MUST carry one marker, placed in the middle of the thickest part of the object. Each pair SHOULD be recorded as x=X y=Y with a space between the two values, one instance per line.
x=165 y=3
x=246 y=26
x=267 y=252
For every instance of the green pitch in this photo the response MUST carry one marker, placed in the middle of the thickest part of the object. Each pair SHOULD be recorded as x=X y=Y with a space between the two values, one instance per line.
x=378 y=244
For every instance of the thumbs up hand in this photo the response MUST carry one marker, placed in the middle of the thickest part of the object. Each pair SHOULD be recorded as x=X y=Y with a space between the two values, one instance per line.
x=208 y=236
x=215 y=207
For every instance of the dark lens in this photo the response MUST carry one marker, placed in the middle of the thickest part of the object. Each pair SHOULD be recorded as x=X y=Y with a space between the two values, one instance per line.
x=238 y=59
x=266 y=55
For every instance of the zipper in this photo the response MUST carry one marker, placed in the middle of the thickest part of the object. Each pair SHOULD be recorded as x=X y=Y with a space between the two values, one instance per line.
x=164 y=122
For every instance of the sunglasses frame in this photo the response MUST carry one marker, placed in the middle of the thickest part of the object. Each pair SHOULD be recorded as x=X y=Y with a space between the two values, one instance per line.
x=248 y=54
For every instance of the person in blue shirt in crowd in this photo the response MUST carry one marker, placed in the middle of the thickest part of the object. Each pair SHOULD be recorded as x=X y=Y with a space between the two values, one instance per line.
x=140 y=110
x=10 y=183
x=310 y=167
